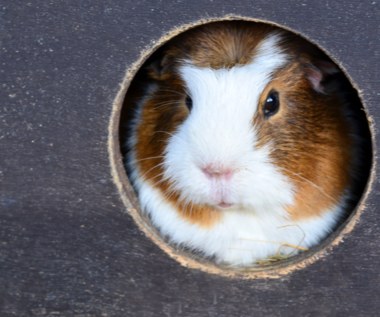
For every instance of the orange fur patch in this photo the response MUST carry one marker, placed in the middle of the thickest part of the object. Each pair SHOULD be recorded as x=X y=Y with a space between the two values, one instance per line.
x=161 y=115
x=217 y=45
x=311 y=141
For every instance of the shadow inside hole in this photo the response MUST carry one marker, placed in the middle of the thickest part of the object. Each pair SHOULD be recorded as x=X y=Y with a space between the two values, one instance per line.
x=356 y=115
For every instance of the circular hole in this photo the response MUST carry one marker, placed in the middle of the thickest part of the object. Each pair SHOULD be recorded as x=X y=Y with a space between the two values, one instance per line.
x=248 y=148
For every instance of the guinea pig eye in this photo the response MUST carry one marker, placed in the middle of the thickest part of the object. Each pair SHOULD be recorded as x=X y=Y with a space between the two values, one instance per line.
x=272 y=104
x=189 y=102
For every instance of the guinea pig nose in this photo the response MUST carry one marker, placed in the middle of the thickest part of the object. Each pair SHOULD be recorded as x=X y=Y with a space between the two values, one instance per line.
x=215 y=171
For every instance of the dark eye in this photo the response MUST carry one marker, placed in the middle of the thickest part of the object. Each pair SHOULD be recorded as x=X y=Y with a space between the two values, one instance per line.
x=189 y=102
x=272 y=104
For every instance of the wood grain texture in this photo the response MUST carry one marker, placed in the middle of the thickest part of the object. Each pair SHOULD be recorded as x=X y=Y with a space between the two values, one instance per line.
x=66 y=247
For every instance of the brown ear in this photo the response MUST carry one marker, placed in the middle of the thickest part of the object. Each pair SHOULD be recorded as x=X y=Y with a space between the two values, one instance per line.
x=319 y=72
x=159 y=68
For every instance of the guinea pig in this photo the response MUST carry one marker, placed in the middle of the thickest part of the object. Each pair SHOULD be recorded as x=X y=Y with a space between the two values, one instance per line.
x=242 y=145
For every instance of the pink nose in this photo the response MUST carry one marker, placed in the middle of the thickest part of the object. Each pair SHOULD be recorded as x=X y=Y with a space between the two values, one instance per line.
x=217 y=172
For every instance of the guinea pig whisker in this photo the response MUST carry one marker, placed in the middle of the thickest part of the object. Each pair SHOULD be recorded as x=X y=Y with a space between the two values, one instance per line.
x=183 y=203
x=310 y=182
x=168 y=133
x=158 y=182
x=161 y=179
x=186 y=206
x=165 y=132
x=176 y=92
x=170 y=191
x=191 y=208
x=177 y=203
x=164 y=104
x=152 y=168
x=148 y=158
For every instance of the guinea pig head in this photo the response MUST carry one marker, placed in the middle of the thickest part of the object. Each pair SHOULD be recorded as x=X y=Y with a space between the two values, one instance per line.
x=245 y=124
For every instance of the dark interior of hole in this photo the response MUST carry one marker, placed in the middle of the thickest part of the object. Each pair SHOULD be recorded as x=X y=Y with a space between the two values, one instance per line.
x=358 y=116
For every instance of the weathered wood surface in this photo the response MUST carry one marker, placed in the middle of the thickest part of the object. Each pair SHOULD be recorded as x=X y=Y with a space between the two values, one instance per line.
x=66 y=247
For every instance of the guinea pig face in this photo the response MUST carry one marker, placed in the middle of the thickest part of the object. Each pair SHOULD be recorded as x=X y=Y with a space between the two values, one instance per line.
x=216 y=156
x=241 y=144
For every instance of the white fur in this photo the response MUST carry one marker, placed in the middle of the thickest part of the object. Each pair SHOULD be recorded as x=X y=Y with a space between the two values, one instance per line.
x=241 y=238
x=219 y=131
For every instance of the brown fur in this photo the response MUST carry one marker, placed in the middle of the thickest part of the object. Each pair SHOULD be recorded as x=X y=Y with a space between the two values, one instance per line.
x=215 y=46
x=161 y=117
x=311 y=141
x=309 y=133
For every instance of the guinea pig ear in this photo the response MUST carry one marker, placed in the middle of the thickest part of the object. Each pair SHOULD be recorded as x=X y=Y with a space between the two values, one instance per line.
x=319 y=74
x=158 y=69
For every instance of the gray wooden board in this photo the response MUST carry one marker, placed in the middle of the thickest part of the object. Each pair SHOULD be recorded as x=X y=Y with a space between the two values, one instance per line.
x=66 y=247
